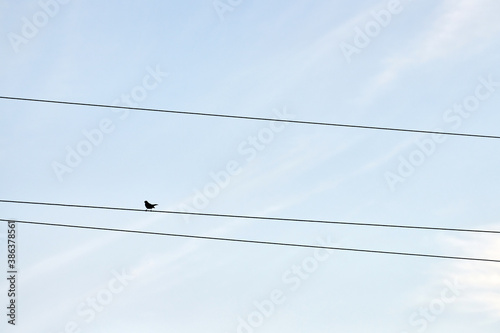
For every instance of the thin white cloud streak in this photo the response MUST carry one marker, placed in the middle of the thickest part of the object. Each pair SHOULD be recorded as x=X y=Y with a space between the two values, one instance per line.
x=153 y=266
x=307 y=156
x=387 y=157
x=461 y=28
x=467 y=23
x=87 y=249
x=481 y=281
x=322 y=50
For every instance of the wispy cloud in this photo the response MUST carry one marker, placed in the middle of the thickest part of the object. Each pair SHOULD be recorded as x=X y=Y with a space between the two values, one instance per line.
x=466 y=23
x=461 y=27
x=480 y=280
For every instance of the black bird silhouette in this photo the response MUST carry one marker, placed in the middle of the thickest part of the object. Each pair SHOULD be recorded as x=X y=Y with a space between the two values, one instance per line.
x=148 y=205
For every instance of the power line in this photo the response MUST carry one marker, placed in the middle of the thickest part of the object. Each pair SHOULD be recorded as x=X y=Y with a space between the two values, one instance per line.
x=281 y=219
x=303 y=122
x=255 y=241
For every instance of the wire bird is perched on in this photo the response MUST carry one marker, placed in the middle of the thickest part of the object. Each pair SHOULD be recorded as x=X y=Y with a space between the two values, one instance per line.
x=149 y=206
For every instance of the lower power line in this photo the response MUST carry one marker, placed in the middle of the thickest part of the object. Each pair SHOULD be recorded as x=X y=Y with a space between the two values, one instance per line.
x=255 y=241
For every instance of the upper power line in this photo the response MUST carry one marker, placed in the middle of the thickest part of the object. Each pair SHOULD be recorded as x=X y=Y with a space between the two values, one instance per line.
x=436 y=256
x=253 y=217
x=303 y=122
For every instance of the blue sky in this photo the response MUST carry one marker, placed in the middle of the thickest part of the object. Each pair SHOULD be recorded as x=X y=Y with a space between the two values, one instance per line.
x=429 y=65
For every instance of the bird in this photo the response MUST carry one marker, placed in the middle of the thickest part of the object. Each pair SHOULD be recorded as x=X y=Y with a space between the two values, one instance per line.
x=148 y=205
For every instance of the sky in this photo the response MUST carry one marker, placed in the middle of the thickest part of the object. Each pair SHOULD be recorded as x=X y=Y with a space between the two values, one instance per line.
x=427 y=65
